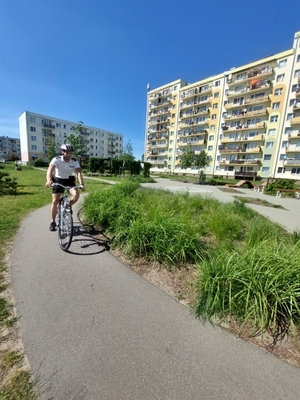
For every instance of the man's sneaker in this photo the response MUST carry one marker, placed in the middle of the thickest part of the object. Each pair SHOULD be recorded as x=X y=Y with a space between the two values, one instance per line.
x=52 y=227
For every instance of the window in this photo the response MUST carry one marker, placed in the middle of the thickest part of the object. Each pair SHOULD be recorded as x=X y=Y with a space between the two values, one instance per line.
x=175 y=87
x=271 y=132
x=274 y=118
x=282 y=63
x=285 y=143
x=33 y=147
x=32 y=119
x=211 y=137
x=215 y=105
x=65 y=126
x=217 y=83
x=281 y=170
x=175 y=97
x=216 y=95
x=267 y=157
x=209 y=148
x=33 y=138
x=214 y=116
x=294 y=88
x=32 y=129
x=277 y=92
x=282 y=157
x=297 y=73
x=298 y=58
x=280 y=78
x=276 y=105
x=293 y=102
x=289 y=116
x=58 y=125
x=269 y=145
x=212 y=127
x=287 y=131
x=265 y=170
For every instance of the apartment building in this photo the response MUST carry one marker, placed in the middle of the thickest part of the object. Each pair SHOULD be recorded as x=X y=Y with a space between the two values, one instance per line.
x=9 y=146
x=246 y=119
x=36 y=131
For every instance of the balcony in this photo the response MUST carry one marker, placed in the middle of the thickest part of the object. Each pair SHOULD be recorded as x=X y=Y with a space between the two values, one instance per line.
x=158 y=104
x=192 y=133
x=199 y=142
x=251 y=88
x=254 y=74
x=244 y=162
x=295 y=121
x=292 y=148
x=159 y=113
x=193 y=124
x=246 y=114
x=239 y=149
x=258 y=137
x=48 y=125
x=201 y=90
x=158 y=121
x=292 y=162
x=298 y=93
x=294 y=135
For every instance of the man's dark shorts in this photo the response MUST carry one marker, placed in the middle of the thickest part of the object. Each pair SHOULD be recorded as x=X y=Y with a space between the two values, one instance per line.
x=65 y=182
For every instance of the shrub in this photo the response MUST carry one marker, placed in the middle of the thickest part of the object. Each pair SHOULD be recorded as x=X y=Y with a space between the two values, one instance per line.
x=8 y=185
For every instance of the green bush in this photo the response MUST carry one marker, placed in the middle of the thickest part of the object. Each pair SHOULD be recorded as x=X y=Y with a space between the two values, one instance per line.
x=8 y=185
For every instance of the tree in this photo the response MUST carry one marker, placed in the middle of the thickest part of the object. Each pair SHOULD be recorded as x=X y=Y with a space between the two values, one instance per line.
x=76 y=140
x=127 y=156
x=187 y=158
x=201 y=160
x=52 y=148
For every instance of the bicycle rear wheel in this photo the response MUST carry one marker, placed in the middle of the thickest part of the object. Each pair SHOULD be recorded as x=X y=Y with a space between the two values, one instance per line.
x=65 y=229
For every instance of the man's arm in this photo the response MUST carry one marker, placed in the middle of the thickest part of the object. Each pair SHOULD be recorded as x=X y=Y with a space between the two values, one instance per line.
x=79 y=177
x=50 y=172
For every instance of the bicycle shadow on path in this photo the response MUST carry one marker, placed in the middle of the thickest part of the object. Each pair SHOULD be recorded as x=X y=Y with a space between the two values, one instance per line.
x=83 y=244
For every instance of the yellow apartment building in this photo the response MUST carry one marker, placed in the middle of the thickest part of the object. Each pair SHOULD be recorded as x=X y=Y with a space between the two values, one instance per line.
x=247 y=119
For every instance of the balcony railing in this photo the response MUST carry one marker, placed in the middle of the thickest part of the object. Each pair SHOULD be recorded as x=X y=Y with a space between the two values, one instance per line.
x=251 y=75
x=295 y=121
x=243 y=139
x=250 y=88
x=192 y=143
x=292 y=148
x=291 y=162
x=294 y=135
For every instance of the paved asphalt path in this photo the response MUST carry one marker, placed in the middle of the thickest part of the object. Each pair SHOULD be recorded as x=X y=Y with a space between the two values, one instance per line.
x=94 y=329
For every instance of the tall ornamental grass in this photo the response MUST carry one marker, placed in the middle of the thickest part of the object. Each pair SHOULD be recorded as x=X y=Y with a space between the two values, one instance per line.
x=259 y=285
x=248 y=267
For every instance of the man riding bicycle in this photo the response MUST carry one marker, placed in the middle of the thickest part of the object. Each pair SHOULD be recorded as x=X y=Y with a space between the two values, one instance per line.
x=66 y=169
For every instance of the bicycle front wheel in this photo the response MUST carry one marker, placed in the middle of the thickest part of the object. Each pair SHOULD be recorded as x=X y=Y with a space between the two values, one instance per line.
x=65 y=230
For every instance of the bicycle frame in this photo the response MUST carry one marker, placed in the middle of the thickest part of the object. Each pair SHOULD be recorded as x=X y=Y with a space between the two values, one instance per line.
x=64 y=218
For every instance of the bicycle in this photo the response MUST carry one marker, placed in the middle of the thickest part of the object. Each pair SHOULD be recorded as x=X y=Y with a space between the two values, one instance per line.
x=64 y=218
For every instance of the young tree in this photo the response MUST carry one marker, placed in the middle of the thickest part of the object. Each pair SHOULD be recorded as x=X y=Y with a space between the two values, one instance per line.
x=77 y=141
x=201 y=160
x=187 y=158
x=127 y=156
x=52 y=148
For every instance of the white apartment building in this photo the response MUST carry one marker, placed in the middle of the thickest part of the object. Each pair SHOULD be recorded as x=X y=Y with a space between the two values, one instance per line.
x=36 y=130
x=9 y=146
x=246 y=119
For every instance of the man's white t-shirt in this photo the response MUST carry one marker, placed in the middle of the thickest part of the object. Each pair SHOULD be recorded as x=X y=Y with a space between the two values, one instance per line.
x=64 y=169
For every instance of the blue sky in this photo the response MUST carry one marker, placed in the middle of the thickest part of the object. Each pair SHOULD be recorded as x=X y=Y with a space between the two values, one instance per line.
x=91 y=60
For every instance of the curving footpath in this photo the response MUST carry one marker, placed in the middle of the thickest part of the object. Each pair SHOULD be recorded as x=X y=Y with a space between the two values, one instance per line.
x=94 y=329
